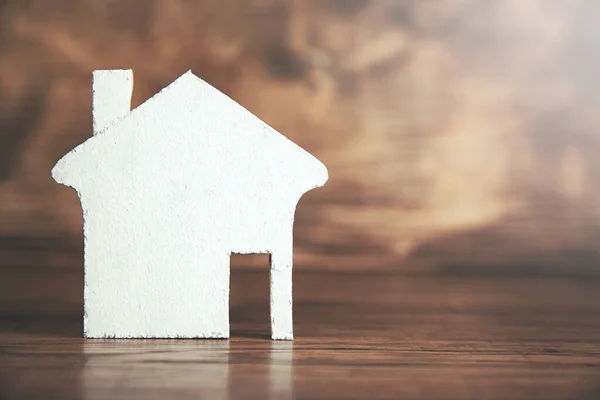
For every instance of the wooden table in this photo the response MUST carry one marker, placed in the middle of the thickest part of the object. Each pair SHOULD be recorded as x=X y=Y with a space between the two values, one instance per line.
x=413 y=335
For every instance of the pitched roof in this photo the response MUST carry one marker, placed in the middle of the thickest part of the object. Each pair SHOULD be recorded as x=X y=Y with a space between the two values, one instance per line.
x=191 y=109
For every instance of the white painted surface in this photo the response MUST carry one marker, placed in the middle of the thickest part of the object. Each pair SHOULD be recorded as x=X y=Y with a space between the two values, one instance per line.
x=168 y=192
x=111 y=97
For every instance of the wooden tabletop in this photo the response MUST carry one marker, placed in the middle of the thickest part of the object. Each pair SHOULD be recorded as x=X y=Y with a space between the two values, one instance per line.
x=358 y=336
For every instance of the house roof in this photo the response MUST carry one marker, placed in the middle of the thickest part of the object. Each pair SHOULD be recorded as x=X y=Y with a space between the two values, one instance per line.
x=190 y=112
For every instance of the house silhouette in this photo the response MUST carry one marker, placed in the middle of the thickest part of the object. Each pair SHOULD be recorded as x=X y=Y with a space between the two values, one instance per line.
x=169 y=190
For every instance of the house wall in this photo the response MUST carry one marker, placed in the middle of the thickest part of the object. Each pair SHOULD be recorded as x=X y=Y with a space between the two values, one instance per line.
x=150 y=277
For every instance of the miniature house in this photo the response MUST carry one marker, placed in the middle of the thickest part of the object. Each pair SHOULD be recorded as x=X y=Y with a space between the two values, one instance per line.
x=169 y=190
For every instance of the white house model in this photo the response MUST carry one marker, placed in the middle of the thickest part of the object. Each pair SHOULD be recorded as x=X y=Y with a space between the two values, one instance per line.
x=169 y=190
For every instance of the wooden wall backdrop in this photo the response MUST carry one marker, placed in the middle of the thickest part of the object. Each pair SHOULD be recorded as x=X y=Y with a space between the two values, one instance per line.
x=460 y=135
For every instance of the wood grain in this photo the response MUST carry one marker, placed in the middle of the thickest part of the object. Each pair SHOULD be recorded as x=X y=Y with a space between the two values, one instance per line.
x=437 y=119
x=461 y=213
x=359 y=335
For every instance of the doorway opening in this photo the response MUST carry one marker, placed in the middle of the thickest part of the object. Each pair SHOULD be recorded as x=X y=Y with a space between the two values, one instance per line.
x=249 y=295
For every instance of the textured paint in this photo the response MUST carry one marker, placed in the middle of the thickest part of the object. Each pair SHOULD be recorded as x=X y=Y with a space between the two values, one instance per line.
x=111 y=97
x=169 y=191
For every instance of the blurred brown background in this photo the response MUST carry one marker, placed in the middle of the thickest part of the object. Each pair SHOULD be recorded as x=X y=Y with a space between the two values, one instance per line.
x=460 y=135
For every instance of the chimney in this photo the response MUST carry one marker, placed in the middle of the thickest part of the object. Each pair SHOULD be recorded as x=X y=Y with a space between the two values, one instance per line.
x=111 y=96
